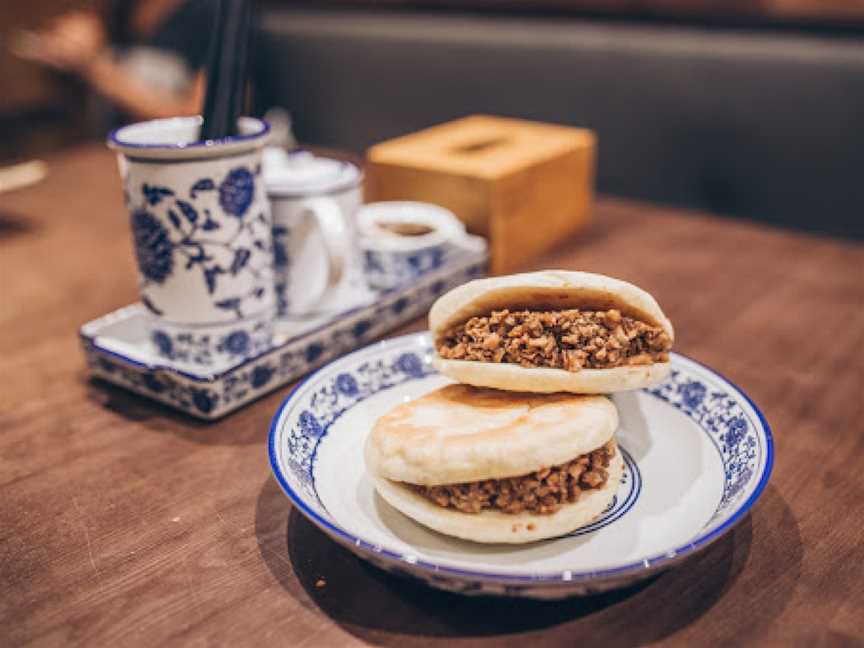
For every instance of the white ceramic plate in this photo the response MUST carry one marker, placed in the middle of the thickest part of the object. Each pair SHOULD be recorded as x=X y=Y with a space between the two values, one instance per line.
x=698 y=453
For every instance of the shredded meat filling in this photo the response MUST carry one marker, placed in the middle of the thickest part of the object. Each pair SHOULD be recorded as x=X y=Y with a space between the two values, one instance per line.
x=543 y=492
x=570 y=339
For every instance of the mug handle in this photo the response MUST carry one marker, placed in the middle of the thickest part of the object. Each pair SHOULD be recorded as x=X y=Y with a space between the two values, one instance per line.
x=333 y=225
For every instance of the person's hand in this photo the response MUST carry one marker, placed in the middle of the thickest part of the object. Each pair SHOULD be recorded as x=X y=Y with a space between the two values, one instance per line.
x=73 y=42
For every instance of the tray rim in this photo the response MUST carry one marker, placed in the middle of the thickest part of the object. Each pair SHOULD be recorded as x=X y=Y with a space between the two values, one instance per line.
x=562 y=578
x=89 y=337
x=136 y=308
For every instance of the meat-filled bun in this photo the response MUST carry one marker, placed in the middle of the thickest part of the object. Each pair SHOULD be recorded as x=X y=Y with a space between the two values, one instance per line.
x=493 y=466
x=496 y=527
x=551 y=331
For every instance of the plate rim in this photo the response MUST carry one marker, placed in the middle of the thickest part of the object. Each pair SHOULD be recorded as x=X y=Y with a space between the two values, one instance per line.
x=565 y=577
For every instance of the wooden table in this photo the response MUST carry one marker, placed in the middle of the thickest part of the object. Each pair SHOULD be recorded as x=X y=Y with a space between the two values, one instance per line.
x=123 y=523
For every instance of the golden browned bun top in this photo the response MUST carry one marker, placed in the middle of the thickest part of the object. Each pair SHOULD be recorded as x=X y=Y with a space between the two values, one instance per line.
x=545 y=290
x=459 y=433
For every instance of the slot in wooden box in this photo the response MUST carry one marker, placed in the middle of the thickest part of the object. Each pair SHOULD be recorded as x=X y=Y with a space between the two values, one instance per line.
x=524 y=185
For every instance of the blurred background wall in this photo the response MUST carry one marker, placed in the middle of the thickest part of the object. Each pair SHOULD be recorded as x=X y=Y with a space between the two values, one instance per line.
x=787 y=12
x=744 y=108
x=756 y=122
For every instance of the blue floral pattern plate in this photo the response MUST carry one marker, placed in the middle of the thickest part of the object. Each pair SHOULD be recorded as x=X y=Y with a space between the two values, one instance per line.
x=697 y=451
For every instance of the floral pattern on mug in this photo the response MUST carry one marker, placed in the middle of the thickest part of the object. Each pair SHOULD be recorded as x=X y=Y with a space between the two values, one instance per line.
x=237 y=191
x=153 y=246
x=176 y=235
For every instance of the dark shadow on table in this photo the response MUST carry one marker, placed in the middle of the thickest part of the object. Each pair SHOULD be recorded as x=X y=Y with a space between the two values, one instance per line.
x=12 y=224
x=392 y=611
x=237 y=428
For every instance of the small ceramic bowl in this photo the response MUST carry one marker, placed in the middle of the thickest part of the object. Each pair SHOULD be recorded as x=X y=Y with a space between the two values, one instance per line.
x=402 y=240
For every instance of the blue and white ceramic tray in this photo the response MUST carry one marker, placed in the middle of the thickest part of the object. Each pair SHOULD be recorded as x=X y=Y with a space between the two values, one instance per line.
x=117 y=348
x=698 y=454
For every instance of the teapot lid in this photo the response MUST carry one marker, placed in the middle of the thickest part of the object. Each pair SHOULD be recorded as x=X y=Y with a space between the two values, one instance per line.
x=301 y=173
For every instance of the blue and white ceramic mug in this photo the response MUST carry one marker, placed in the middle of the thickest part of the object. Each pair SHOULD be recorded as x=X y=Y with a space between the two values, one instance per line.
x=314 y=200
x=404 y=240
x=202 y=232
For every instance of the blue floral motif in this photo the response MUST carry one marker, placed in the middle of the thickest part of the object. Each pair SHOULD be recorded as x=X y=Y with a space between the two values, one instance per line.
x=360 y=328
x=163 y=343
x=692 y=393
x=205 y=347
x=171 y=235
x=280 y=251
x=742 y=479
x=410 y=364
x=241 y=258
x=237 y=191
x=204 y=184
x=736 y=431
x=392 y=268
x=204 y=400
x=209 y=224
x=373 y=262
x=400 y=305
x=231 y=304
x=153 y=383
x=210 y=277
x=165 y=388
x=261 y=375
x=153 y=247
x=106 y=365
x=309 y=425
x=282 y=303
x=280 y=254
x=346 y=384
x=282 y=266
x=724 y=420
x=153 y=194
x=188 y=211
x=302 y=472
x=425 y=261
x=313 y=351
x=237 y=342
x=149 y=305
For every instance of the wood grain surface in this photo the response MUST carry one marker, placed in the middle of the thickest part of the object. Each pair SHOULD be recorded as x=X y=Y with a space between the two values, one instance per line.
x=123 y=523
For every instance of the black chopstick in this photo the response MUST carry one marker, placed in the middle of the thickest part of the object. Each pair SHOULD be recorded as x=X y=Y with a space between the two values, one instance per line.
x=227 y=71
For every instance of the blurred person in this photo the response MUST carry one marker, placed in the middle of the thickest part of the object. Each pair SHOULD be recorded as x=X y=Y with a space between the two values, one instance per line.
x=145 y=56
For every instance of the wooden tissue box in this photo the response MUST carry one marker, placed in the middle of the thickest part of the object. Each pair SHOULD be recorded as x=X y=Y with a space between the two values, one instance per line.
x=523 y=185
